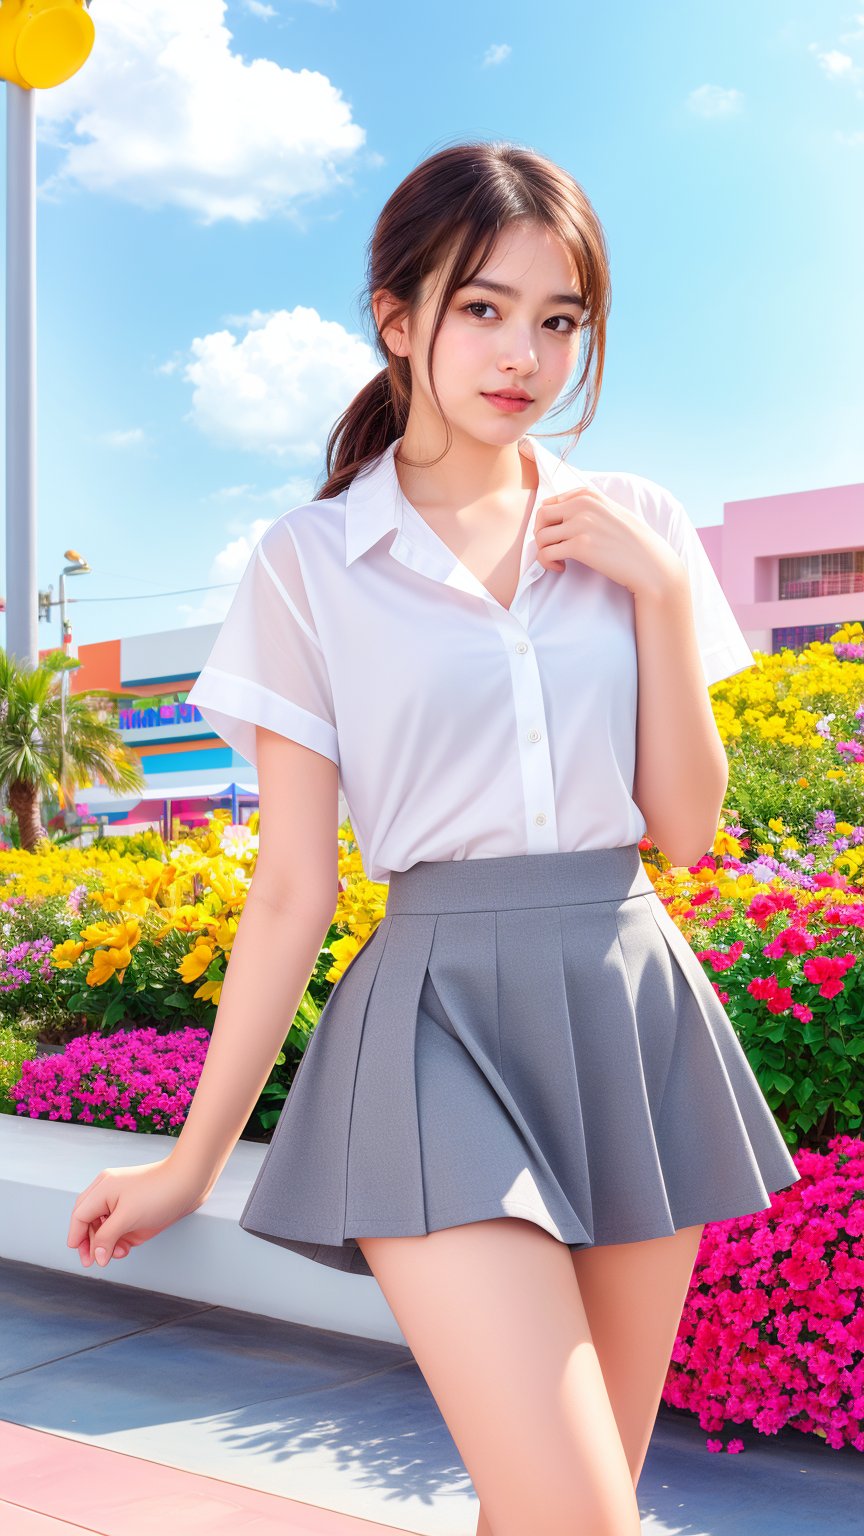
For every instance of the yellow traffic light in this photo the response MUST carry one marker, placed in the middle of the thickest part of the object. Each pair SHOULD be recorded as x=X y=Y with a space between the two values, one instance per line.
x=43 y=42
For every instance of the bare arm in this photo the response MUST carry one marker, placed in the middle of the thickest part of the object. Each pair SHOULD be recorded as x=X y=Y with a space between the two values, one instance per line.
x=288 y=910
x=681 y=766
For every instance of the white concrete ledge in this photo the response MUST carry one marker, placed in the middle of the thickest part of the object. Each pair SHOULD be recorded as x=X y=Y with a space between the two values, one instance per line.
x=44 y=1166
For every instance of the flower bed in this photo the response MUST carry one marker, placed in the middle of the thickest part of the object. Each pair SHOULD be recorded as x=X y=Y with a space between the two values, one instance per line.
x=772 y=1332
x=135 y=1080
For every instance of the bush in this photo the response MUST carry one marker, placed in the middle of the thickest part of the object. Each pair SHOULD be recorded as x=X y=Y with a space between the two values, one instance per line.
x=772 y=1331
x=17 y=1045
x=137 y=1080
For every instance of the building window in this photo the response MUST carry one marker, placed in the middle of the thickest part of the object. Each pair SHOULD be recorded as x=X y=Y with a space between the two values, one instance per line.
x=829 y=574
x=794 y=637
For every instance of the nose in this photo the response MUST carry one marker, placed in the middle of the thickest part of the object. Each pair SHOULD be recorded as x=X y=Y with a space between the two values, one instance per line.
x=519 y=353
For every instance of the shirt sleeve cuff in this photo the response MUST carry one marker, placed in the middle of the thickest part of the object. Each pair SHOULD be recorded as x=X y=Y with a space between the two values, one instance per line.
x=235 y=705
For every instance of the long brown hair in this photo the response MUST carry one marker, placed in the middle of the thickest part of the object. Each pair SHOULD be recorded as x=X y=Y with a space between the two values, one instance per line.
x=450 y=208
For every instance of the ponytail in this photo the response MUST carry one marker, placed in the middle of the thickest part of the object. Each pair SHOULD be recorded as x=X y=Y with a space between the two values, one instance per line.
x=373 y=420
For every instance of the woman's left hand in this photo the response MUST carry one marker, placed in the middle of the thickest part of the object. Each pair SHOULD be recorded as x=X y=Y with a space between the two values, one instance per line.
x=584 y=524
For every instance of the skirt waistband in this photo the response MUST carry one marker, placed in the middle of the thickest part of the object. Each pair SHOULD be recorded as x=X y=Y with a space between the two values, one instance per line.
x=519 y=880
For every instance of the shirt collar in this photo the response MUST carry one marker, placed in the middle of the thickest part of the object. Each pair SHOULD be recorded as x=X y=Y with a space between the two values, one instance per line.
x=373 y=504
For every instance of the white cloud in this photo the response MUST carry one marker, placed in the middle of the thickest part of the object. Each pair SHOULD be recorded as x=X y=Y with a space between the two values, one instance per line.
x=496 y=53
x=715 y=101
x=835 y=63
x=124 y=439
x=858 y=35
x=228 y=566
x=165 y=113
x=230 y=562
x=263 y=12
x=840 y=65
x=278 y=388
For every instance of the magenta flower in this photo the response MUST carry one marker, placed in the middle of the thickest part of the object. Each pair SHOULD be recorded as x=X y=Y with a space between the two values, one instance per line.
x=772 y=1331
x=135 y=1080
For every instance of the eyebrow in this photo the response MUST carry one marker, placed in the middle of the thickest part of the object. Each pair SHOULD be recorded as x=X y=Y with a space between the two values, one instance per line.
x=513 y=293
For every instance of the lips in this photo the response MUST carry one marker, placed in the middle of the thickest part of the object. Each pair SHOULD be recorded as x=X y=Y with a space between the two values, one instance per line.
x=509 y=394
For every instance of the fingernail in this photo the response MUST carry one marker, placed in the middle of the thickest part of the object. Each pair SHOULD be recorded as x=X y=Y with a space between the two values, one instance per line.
x=101 y=1255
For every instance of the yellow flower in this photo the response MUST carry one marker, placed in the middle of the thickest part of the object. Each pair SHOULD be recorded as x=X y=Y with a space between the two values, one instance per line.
x=344 y=950
x=107 y=963
x=211 y=991
x=120 y=935
x=187 y=919
x=725 y=843
x=195 y=963
x=64 y=955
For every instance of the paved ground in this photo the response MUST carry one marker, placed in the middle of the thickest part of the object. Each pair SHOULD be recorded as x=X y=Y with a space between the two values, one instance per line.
x=121 y=1408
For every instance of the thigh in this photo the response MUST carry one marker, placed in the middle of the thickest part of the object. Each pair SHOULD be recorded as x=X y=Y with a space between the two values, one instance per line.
x=492 y=1313
x=634 y=1295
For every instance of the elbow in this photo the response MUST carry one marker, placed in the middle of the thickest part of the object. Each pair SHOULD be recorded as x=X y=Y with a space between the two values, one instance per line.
x=686 y=831
x=680 y=844
x=682 y=854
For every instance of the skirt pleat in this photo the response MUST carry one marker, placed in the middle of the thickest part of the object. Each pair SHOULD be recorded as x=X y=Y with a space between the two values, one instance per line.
x=529 y=1036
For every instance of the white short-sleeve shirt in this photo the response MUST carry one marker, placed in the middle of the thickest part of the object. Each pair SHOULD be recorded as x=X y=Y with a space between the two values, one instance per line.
x=462 y=729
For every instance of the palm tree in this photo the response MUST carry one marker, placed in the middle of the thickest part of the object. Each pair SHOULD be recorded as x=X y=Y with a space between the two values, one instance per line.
x=35 y=761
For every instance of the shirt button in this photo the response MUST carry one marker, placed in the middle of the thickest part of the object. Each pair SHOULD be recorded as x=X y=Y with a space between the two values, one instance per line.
x=540 y=819
x=521 y=647
x=534 y=735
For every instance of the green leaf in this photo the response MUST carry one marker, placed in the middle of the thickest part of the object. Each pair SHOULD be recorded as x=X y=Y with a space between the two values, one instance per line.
x=114 y=1011
x=775 y=1032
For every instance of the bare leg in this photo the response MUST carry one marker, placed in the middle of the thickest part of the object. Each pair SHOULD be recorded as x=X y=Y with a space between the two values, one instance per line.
x=634 y=1294
x=483 y=1526
x=492 y=1313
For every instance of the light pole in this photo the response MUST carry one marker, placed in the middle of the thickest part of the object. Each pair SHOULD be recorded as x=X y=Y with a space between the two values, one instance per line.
x=77 y=567
x=40 y=47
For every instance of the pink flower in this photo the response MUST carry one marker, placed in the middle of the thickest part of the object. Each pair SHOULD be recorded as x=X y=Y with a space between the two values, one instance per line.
x=772 y=1329
x=134 y=1080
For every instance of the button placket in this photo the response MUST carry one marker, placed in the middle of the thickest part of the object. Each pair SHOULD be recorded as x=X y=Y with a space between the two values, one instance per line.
x=532 y=743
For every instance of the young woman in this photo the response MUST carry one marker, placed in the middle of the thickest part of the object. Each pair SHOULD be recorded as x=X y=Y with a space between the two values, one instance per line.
x=523 y=1099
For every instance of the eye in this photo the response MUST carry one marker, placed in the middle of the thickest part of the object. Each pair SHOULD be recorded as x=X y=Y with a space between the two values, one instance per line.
x=572 y=325
x=479 y=304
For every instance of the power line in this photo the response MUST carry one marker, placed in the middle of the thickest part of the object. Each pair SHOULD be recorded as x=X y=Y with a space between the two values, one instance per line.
x=142 y=597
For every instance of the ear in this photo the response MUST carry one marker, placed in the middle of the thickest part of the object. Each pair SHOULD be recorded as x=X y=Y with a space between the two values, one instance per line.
x=393 y=336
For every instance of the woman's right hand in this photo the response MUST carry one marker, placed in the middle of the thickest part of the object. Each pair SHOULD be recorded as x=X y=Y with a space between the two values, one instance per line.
x=123 y=1207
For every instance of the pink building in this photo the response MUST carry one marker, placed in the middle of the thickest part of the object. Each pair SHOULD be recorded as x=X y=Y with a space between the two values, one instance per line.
x=792 y=566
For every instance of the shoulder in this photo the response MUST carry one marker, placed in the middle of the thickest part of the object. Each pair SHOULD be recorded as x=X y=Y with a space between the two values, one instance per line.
x=646 y=498
x=305 y=539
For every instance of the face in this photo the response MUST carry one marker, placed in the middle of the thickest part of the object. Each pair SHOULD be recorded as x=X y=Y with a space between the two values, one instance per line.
x=526 y=339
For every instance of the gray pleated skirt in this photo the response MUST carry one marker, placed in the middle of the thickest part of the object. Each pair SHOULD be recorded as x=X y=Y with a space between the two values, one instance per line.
x=526 y=1036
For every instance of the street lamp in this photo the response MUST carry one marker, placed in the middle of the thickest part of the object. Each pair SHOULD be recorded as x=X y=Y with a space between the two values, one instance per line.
x=42 y=44
x=77 y=567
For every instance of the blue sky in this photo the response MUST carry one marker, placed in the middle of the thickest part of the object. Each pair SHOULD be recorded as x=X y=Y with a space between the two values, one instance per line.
x=208 y=183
